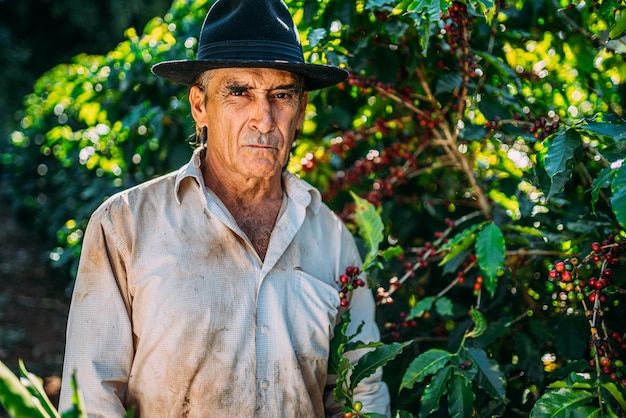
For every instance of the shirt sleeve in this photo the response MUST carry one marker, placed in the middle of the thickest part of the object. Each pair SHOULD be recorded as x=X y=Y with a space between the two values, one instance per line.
x=99 y=345
x=372 y=391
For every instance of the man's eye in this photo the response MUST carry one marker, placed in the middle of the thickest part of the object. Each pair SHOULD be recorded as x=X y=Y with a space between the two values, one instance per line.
x=285 y=95
x=238 y=91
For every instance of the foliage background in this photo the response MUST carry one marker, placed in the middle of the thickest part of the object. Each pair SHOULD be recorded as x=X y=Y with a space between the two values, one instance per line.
x=489 y=135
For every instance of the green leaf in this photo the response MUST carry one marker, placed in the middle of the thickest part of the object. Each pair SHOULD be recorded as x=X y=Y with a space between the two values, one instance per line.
x=315 y=36
x=461 y=236
x=433 y=392
x=78 y=405
x=337 y=343
x=598 y=184
x=421 y=307
x=490 y=377
x=616 y=392
x=370 y=227
x=460 y=397
x=620 y=26
x=355 y=345
x=490 y=254
x=34 y=386
x=562 y=384
x=467 y=241
x=448 y=83
x=561 y=151
x=16 y=399
x=391 y=252
x=560 y=402
x=618 y=200
x=460 y=242
x=558 y=159
x=340 y=391
x=403 y=414
x=480 y=324
x=424 y=365
x=443 y=306
x=372 y=360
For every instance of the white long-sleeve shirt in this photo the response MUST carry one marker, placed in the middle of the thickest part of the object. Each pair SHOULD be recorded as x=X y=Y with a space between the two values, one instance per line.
x=174 y=312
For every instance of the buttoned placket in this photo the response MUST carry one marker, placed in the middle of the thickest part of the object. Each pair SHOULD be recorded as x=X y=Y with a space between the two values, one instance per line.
x=285 y=230
x=287 y=225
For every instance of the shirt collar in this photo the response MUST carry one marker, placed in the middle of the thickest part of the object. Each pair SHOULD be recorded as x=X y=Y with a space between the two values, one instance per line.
x=297 y=189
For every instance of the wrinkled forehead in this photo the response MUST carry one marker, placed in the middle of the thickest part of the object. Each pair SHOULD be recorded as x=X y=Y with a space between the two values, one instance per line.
x=257 y=78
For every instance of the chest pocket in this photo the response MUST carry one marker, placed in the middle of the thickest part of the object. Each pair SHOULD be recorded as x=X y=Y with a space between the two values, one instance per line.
x=303 y=308
x=314 y=308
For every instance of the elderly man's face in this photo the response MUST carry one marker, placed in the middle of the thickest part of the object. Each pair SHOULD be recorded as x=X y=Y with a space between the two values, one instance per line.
x=251 y=115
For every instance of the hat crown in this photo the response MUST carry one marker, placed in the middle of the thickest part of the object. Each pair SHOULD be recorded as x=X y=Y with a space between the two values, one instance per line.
x=249 y=19
x=249 y=34
x=250 y=30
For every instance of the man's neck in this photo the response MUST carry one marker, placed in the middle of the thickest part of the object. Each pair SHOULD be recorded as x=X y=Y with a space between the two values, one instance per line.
x=253 y=203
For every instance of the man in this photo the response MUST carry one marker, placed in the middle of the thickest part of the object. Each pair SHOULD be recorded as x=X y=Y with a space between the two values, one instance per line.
x=213 y=291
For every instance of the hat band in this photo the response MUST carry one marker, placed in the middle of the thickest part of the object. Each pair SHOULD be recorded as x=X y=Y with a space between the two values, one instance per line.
x=251 y=50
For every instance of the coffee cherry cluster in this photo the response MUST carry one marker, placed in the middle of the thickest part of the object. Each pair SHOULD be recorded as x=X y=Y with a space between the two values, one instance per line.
x=457 y=27
x=349 y=280
x=564 y=271
x=368 y=83
x=396 y=329
x=604 y=350
x=604 y=358
x=541 y=128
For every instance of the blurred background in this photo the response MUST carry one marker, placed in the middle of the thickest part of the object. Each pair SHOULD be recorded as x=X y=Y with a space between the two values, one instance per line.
x=490 y=135
x=36 y=35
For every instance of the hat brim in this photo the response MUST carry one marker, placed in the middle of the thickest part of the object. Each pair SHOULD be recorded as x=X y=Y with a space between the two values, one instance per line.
x=316 y=76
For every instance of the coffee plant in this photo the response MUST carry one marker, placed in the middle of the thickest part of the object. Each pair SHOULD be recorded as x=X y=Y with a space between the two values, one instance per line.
x=476 y=150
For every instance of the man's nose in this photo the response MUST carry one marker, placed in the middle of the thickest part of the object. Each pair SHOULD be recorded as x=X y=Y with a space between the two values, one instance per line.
x=262 y=117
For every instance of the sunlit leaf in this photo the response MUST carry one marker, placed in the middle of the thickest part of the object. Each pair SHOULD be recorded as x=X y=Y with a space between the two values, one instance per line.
x=620 y=26
x=370 y=227
x=315 y=36
x=560 y=402
x=16 y=399
x=616 y=393
x=35 y=387
x=615 y=132
x=490 y=254
x=480 y=324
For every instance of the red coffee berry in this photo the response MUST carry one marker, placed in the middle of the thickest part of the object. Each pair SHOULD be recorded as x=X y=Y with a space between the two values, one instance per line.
x=559 y=266
x=566 y=276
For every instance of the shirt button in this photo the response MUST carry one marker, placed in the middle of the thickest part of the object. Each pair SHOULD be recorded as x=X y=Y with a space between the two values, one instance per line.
x=264 y=329
x=265 y=384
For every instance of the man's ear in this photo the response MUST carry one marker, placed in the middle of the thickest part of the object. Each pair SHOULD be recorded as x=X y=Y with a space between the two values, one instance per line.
x=196 y=100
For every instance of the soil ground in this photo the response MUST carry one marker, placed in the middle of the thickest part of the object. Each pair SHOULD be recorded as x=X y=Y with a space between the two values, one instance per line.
x=33 y=306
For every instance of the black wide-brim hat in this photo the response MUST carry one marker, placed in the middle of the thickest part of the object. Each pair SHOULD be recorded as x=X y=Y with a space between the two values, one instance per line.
x=253 y=34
